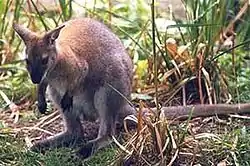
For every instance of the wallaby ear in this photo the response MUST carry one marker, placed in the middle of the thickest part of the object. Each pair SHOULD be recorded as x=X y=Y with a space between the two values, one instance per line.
x=25 y=34
x=51 y=36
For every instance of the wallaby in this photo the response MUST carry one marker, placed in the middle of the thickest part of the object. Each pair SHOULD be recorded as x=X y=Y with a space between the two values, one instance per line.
x=81 y=62
x=41 y=97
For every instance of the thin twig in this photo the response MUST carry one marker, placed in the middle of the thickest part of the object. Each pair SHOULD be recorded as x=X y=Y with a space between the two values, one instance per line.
x=46 y=118
x=199 y=76
x=50 y=121
x=12 y=106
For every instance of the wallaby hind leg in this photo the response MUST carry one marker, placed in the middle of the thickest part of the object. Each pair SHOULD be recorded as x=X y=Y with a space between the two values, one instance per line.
x=107 y=115
x=72 y=135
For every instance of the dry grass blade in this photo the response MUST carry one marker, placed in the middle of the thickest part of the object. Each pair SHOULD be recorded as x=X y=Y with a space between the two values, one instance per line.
x=155 y=57
x=5 y=98
x=208 y=85
x=237 y=17
x=139 y=118
x=31 y=129
x=201 y=60
x=50 y=121
x=176 y=88
x=173 y=158
x=28 y=141
x=129 y=118
x=121 y=146
x=41 y=122
x=136 y=136
x=240 y=117
x=150 y=133
x=158 y=141
x=168 y=73
x=166 y=144
x=177 y=68
x=13 y=107
x=174 y=145
x=206 y=135
x=142 y=147
x=236 y=162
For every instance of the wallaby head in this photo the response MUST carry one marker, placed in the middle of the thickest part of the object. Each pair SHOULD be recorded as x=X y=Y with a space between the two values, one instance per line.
x=40 y=51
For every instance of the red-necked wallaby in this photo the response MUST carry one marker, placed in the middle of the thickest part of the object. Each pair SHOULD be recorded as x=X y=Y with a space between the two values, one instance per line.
x=79 y=62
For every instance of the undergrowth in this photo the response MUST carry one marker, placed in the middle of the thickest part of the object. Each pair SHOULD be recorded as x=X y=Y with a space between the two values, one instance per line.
x=203 y=58
x=14 y=153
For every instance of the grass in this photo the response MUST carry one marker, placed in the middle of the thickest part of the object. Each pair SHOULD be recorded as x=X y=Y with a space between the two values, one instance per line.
x=164 y=63
x=212 y=141
x=14 y=153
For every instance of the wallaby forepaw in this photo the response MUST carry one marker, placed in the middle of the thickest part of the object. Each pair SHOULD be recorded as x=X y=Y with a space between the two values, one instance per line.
x=67 y=102
x=42 y=107
x=86 y=151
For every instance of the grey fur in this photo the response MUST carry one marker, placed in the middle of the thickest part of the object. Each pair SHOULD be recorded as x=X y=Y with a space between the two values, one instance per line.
x=84 y=59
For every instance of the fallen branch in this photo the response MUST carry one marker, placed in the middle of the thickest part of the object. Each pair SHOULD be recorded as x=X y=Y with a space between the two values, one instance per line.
x=183 y=112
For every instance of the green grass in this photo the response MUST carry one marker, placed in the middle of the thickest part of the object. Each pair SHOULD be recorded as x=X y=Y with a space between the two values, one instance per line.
x=228 y=142
x=232 y=146
x=13 y=152
x=227 y=76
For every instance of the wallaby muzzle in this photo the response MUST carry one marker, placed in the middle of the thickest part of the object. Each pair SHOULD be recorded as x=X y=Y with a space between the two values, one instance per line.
x=36 y=74
x=36 y=79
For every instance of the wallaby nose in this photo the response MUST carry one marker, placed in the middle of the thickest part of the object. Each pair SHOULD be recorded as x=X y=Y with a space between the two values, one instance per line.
x=36 y=79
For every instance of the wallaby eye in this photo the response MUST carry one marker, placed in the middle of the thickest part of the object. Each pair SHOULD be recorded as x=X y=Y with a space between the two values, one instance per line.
x=45 y=60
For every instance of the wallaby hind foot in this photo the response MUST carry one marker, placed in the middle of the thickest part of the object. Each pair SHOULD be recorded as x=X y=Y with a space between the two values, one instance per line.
x=63 y=139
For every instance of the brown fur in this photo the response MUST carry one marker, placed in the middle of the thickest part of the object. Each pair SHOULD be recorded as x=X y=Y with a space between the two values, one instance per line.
x=82 y=62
